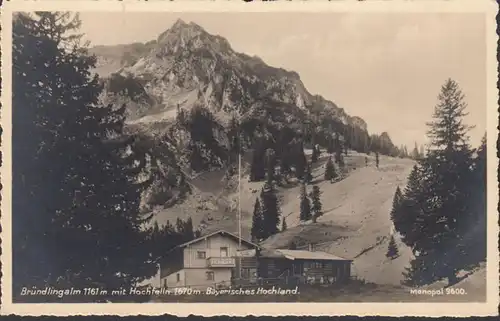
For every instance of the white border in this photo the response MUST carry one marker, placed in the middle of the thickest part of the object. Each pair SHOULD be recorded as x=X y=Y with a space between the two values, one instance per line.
x=258 y=309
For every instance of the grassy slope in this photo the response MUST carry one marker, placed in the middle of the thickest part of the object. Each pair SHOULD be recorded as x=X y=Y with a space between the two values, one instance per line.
x=355 y=224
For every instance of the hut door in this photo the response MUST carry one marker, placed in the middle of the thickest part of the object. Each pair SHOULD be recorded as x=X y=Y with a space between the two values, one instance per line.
x=297 y=268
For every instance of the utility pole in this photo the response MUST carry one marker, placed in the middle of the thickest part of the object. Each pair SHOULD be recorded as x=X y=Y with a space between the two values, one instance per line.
x=239 y=210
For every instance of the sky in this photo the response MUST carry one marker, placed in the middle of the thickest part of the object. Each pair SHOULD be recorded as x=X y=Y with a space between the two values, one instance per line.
x=386 y=68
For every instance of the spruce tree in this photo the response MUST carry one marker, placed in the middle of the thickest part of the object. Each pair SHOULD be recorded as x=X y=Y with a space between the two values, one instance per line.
x=411 y=205
x=330 y=173
x=376 y=159
x=270 y=210
x=305 y=205
x=476 y=240
x=396 y=203
x=317 y=208
x=257 y=231
x=76 y=174
x=300 y=161
x=436 y=213
x=283 y=225
x=415 y=153
x=392 y=249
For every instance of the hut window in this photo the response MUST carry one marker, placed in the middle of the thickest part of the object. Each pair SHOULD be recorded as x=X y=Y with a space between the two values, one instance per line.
x=202 y=254
x=210 y=275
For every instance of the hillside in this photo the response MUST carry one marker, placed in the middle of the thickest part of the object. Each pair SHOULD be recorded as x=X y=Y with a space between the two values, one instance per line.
x=183 y=90
x=187 y=67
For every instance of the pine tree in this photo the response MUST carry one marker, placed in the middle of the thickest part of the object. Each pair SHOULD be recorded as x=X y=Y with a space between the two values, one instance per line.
x=392 y=249
x=435 y=217
x=476 y=240
x=257 y=231
x=330 y=173
x=270 y=210
x=415 y=153
x=376 y=159
x=283 y=225
x=305 y=205
x=315 y=153
x=317 y=209
x=410 y=205
x=300 y=162
x=66 y=203
x=396 y=203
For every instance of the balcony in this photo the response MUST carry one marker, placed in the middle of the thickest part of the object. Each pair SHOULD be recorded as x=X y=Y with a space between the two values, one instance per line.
x=216 y=262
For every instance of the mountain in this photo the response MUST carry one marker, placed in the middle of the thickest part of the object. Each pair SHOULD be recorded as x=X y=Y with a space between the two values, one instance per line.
x=181 y=92
x=187 y=66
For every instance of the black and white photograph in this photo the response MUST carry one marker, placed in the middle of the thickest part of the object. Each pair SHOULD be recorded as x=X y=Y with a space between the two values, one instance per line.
x=164 y=156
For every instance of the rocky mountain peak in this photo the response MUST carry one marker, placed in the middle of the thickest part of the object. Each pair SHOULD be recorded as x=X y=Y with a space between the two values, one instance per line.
x=190 y=36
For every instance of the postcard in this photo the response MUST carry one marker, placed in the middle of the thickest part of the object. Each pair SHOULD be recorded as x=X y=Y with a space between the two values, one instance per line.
x=265 y=158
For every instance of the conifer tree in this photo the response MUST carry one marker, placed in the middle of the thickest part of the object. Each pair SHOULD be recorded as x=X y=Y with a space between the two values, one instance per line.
x=315 y=153
x=300 y=162
x=396 y=203
x=392 y=249
x=330 y=173
x=317 y=208
x=476 y=240
x=415 y=153
x=283 y=225
x=270 y=210
x=435 y=217
x=376 y=159
x=305 y=205
x=66 y=203
x=258 y=230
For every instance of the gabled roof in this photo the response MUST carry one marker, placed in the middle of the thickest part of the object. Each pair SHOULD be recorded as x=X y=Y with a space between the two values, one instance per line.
x=302 y=255
x=221 y=232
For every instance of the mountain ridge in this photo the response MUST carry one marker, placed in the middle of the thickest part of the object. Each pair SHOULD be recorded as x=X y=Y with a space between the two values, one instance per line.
x=185 y=59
